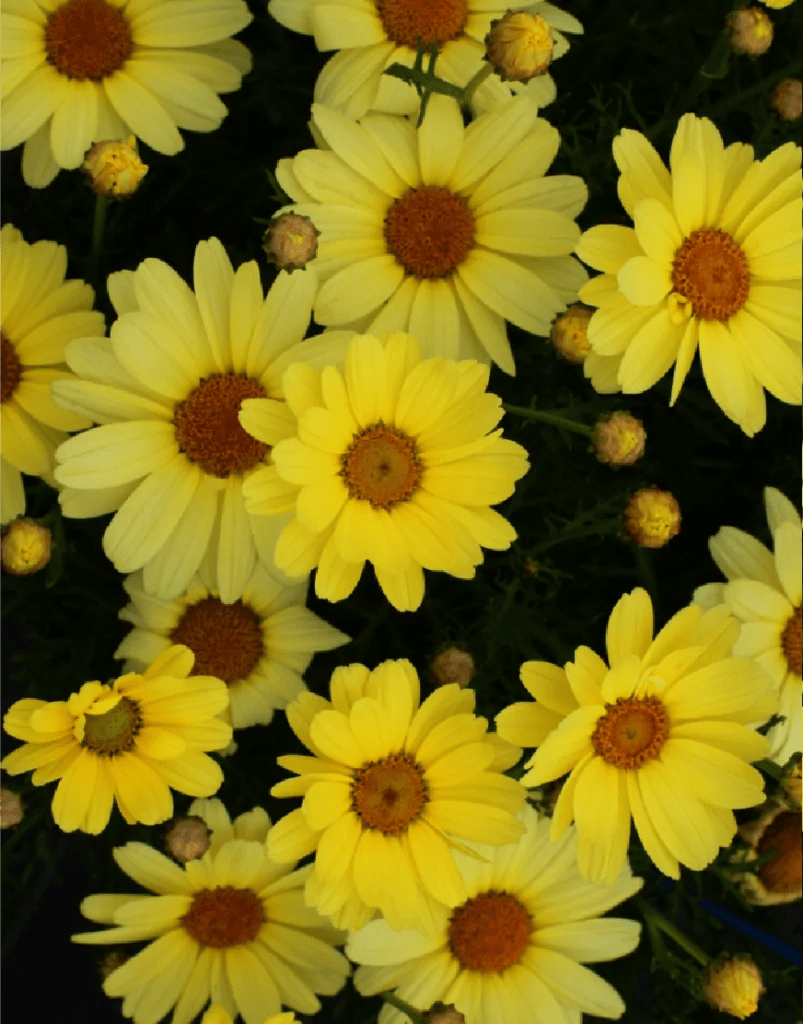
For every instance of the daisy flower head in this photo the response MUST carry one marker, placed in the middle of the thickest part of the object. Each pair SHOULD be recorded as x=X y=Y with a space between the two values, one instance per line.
x=713 y=260
x=659 y=733
x=82 y=71
x=391 y=791
x=40 y=314
x=128 y=742
x=259 y=645
x=231 y=926
x=443 y=231
x=764 y=593
x=373 y=34
x=518 y=941
x=170 y=456
x=393 y=461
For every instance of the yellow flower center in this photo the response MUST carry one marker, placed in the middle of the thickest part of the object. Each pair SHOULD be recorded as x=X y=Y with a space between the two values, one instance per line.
x=112 y=732
x=710 y=271
x=782 y=872
x=10 y=369
x=490 y=932
x=430 y=231
x=388 y=794
x=405 y=20
x=224 y=917
x=382 y=465
x=226 y=639
x=791 y=642
x=87 y=39
x=208 y=430
x=631 y=732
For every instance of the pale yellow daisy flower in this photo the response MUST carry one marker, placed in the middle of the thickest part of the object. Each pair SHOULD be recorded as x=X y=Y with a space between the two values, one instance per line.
x=216 y=1014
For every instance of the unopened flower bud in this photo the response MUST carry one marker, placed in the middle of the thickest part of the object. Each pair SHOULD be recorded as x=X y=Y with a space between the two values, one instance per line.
x=618 y=439
x=791 y=780
x=441 y=1013
x=10 y=808
x=453 y=666
x=111 y=961
x=569 y=333
x=188 y=839
x=652 y=517
x=733 y=986
x=776 y=826
x=291 y=241
x=25 y=547
x=114 y=168
x=519 y=46
x=750 y=30
x=786 y=99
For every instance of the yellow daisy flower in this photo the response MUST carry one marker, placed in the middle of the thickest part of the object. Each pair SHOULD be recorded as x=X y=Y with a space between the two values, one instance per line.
x=661 y=735
x=517 y=942
x=258 y=646
x=373 y=34
x=231 y=926
x=764 y=593
x=390 y=462
x=40 y=313
x=442 y=231
x=82 y=71
x=389 y=786
x=129 y=742
x=170 y=455
x=217 y=1015
x=713 y=259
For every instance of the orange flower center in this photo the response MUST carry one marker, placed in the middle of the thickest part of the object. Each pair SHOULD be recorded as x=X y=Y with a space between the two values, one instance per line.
x=208 y=430
x=430 y=231
x=87 y=39
x=224 y=917
x=10 y=369
x=112 y=732
x=791 y=642
x=490 y=932
x=782 y=872
x=710 y=271
x=405 y=20
x=226 y=639
x=388 y=794
x=382 y=465
x=631 y=732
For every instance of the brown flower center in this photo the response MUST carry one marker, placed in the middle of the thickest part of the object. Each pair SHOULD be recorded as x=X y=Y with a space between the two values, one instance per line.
x=631 y=732
x=208 y=430
x=430 y=231
x=382 y=465
x=710 y=270
x=390 y=793
x=405 y=20
x=112 y=732
x=490 y=932
x=226 y=639
x=224 y=917
x=88 y=39
x=10 y=369
x=782 y=872
x=791 y=642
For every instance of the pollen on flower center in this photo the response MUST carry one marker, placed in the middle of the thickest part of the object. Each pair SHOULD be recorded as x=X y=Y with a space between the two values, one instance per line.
x=631 y=732
x=112 y=732
x=87 y=39
x=405 y=20
x=208 y=430
x=430 y=231
x=490 y=932
x=710 y=270
x=791 y=642
x=10 y=369
x=782 y=872
x=390 y=793
x=382 y=465
x=226 y=639
x=224 y=917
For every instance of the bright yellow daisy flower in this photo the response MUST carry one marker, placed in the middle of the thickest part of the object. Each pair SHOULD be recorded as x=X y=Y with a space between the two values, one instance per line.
x=442 y=231
x=373 y=34
x=658 y=734
x=82 y=71
x=388 y=788
x=170 y=454
x=517 y=942
x=40 y=313
x=217 y=1015
x=390 y=462
x=231 y=926
x=129 y=742
x=764 y=593
x=714 y=259
x=258 y=646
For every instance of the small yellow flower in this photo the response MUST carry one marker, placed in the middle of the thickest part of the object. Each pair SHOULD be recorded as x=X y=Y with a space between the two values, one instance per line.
x=652 y=517
x=114 y=168
x=569 y=333
x=618 y=439
x=750 y=30
x=733 y=986
x=519 y=46
x=25 y=547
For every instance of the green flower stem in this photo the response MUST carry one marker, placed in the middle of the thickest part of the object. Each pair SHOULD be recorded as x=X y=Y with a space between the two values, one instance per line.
x=655 y=919
x=607 y=526
x=470 y=87
x=549 y=417
x=415 y=1015
x=98 y=226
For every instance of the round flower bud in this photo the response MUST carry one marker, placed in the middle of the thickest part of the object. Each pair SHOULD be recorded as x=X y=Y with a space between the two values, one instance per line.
x=791 y=780
x=733 y=985
x=569 y=333
x=777 y=826
x=114 y=168
x=291 y=241
x=652 y=517
x=453 y=666
x=750 y=30
x=519 y=46
x=10 y=808
x=444 y=1014
x=25 y=547
x=188 y=839
x=786 y=99
x=618 y=439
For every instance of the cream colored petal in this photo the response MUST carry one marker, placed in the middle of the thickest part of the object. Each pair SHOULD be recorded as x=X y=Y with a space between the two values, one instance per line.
x=350 y=80
x=143 y=113
x=739 y=555
x=185 y=24
x=339 y=25
x=356 y=147
x=28 y=107
x=358 y=289
x=489 y=139
x=529 y=232
x=608 y=247
x=74 y=124
x=440 y=140
x=510 y=290
x=116 y=453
